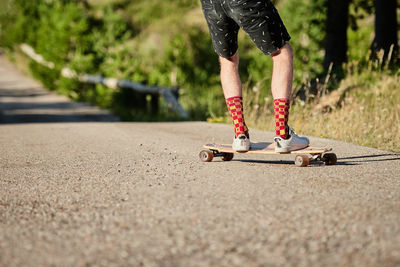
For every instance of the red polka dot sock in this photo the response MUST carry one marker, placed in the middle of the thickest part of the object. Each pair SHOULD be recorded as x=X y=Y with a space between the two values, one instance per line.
x=281 y=110
x=235 y=107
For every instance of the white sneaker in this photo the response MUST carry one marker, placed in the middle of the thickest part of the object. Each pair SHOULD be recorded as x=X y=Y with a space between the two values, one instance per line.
x=241 y=143
x=295 y=142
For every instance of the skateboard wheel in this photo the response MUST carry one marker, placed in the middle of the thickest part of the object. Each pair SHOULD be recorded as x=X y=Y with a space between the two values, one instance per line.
x=227 y=156
x=206 y=156
x=302 y=160
x=329 y=158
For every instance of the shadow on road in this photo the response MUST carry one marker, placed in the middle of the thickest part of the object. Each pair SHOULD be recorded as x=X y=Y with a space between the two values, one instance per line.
x=23 y=100
x=51 y=118
x=370 y=158
x=46 y=110
x=291 y=162
x=346 y=161
x=31 y=105
x=22 y=95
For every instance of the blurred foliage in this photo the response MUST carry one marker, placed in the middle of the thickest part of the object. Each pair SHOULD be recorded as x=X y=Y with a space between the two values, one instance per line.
x=146 y=12
x=68 y=33
x=358 y=10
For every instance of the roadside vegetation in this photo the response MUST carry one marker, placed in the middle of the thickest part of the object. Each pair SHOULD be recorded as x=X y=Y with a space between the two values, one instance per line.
x=167 y=43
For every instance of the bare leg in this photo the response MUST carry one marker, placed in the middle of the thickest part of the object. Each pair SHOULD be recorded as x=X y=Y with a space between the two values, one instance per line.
x=281 y=87
x=282 y=74
x=232 y=87
x=230 y=80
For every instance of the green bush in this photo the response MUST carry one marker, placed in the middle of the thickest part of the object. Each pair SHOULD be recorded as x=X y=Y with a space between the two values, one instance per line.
x=68 y=34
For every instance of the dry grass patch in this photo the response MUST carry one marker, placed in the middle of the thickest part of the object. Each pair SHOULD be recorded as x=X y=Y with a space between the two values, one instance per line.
x=364 y=110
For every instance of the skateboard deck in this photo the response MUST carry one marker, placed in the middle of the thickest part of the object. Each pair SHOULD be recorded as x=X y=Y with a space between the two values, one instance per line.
x=302 y=156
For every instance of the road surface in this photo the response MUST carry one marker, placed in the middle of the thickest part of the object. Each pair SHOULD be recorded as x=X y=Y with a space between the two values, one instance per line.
x=79 y=188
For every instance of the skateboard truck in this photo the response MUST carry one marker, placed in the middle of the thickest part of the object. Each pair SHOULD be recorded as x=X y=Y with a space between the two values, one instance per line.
x=208 y=155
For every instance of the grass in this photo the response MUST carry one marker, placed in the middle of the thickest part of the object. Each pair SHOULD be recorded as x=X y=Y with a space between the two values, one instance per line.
x=368 y=115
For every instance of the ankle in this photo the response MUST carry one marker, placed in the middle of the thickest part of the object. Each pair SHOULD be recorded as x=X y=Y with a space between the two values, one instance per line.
x=281 y=112
x=235 y=107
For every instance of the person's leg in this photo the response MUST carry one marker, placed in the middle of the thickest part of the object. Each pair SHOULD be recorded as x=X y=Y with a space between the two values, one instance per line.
x=282 y=73
x=281 y=87
x=230 y=80
x=223 y=32
x=232 y=88
x=282 y=76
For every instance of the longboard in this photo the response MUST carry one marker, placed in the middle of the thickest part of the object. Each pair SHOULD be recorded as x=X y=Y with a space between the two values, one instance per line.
x=302 y=158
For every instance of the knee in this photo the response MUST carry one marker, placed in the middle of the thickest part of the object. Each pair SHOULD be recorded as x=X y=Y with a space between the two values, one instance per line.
x=233 y=60
x=285 y=53
x=289 y=50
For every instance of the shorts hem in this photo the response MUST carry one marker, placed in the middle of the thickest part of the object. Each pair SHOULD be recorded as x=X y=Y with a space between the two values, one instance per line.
x=277 y=48
x=223 y=56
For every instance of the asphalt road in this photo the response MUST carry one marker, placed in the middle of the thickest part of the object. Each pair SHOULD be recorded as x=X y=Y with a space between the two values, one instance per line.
x=79 y=188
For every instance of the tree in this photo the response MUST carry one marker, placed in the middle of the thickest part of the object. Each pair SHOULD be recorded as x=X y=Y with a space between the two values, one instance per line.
x=385 y=30
x=336 y=33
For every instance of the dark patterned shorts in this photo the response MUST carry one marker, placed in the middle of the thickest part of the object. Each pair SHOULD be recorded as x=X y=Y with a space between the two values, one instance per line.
x=258 y=18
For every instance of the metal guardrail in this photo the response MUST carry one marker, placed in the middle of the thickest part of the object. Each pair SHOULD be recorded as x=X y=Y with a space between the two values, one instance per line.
x=169 y=95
